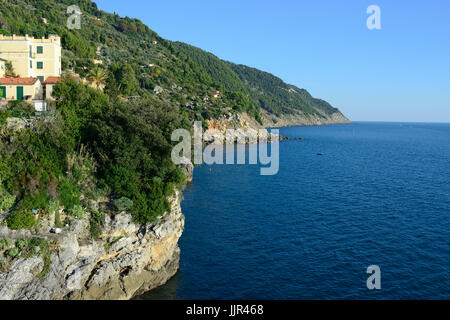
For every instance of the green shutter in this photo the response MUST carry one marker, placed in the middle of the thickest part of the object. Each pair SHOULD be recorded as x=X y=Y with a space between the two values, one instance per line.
x=41 y=78
x=3 y=92
x=40 y=49
x=19 y=93
x=40 y=65
x=31 y=64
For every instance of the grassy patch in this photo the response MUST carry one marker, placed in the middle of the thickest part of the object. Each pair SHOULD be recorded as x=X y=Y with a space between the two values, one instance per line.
x=96 y=223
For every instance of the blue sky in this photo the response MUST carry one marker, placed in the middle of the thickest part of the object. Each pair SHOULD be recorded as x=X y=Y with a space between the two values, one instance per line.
x=398 y=73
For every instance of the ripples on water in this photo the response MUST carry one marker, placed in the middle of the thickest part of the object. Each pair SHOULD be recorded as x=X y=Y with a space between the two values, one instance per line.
x=380 y=195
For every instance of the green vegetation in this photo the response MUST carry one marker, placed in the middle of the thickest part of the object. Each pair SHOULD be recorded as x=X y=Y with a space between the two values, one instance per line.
x=9 y=68
x=97 y=76
x=132 y=146
x=58 y=223
x=53 y=207
x=6 y=199
x=137 y=60
x=263 y=90
x=4 y=115
x=28 y=248
x=218 y=70
x=13 y=252
x=277 y=97
x=20 y=109
x=39 y=247
x=21 y=219
x=5 y=244
x=96 y=223
x=77 y=211
x=117 y=142
x=130 y=143
x=123 y=204
x=69 y=194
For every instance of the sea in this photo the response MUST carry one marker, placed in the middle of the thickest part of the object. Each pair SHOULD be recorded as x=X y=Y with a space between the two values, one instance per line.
x=346 y=197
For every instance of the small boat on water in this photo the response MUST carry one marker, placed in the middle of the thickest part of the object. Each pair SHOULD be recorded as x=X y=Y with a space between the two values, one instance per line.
x=320 y=154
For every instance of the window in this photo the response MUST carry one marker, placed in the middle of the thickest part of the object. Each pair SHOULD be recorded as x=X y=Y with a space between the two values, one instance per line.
x=31 y=64
x=41 y=78
x=40 y=49
x=40 y=65
x=31 y=51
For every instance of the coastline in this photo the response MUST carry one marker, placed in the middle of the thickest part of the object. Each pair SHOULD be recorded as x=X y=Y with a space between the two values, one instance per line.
x=303 y=224
x=126 y=261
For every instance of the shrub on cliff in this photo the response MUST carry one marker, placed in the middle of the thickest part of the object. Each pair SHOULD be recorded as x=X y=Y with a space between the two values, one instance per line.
x=123 y=204
x=21 y=219
x=21 y=109
x=22 y=243
x=93 y=143
x=6 y=200
x=131 y=143
x=148 y=207
x=4 y=114
x=14 y=252
x=52 y=206
x=5 y=244
x=96 y=223
x=77 y=211
x=70 y=195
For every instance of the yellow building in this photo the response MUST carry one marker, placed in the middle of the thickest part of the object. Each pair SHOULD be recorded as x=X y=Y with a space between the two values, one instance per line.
x=13 y=88
x=49 y=85
x=32 y=57
x=2 y=67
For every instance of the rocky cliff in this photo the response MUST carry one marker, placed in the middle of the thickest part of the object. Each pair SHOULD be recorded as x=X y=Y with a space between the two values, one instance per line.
x=127 y=260
x=249 y=126
x=300 y=119
x=241 y=122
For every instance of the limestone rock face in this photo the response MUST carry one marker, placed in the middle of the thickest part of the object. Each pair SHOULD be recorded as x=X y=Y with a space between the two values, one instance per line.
x=22 y=272
x=236 y=128
x=301 y=119
x=129 y=259
x=188 y=168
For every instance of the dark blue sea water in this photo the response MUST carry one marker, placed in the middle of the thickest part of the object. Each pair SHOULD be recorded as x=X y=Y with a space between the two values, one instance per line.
x=379 y=195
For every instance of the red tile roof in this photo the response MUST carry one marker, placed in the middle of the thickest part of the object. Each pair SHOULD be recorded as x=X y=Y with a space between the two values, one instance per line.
x=52 y=80
x=18 y=81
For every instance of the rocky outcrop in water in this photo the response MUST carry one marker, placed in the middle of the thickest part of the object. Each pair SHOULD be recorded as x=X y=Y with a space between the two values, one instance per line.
x=188 y=169
x=246 y=130
x=128 y=259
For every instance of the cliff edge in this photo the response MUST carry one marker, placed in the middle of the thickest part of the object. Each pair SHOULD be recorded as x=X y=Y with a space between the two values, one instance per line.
x=128 y=259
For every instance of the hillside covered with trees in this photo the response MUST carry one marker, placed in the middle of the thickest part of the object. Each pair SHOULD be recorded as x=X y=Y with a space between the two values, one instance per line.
x=264 y=90
x=138 y=62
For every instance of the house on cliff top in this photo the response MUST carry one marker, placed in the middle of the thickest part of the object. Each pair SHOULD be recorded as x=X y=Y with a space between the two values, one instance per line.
x=36 y=64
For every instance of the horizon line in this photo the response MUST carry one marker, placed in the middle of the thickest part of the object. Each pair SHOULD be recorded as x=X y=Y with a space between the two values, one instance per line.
x=400 y=121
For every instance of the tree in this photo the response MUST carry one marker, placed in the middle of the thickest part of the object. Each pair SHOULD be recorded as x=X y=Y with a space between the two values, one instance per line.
x=9 y=68
x=97 y=77
x=125 y=78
